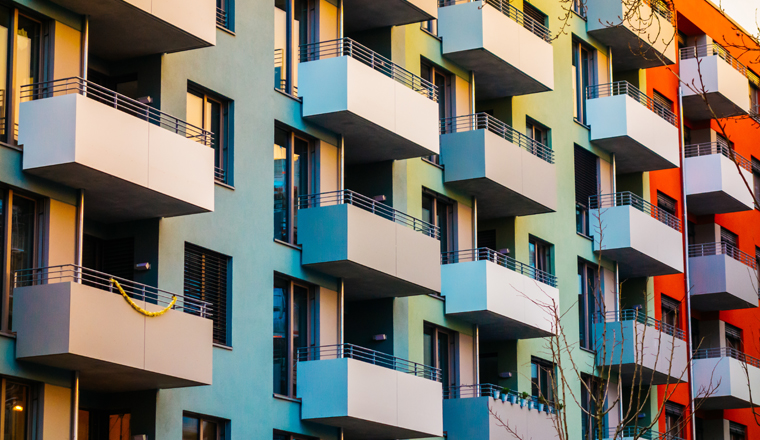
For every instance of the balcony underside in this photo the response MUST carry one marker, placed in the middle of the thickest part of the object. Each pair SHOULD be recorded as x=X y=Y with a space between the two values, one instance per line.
x=630 y=52
x=721 y=282
x=723 y=402
x=694 y=106
x=719 y=301
x=645 y=375
x=493 y=326
x=361 y=15
x=716 y=202
x=631 y=156
x=634 y=263
x=497 y=201
x=355 y=428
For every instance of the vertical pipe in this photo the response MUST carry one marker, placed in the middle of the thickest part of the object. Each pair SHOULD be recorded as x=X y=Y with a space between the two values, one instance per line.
x=472 y=99
x=342 y=164
x=341 y=312
x=340 y=35
x=476 y=353
x=474 y=222
x=85 y=46
x=79 y=234
x=289 y=46
x=609 y=64
x=74 y=424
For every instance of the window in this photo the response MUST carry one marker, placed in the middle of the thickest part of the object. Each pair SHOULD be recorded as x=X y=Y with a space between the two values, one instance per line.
x=207 y=279
x=439 y=211
x=540 y=255
x=224 y=18
x=288 y=39
x=584 y=75
x=294 y=327
x=728 y=237
x=673 y=420
x=756 y=178
x=537 y=132
x=487 y=239
x=443 y=80
x=440 y=351
x=588 y=302
x=586 y=185
x=212 y=113
x=542 y=377
x=489 y=368
x=195 y=427
x=667 y=203
x=737 y=431
x=589 y=395
x=669 y=308
x=93 y=424
x=734 y=338
x=661 y=102
x=280 y=435
x=294 y=176
x=533 y=12
x=579 y=8
x=430 y=26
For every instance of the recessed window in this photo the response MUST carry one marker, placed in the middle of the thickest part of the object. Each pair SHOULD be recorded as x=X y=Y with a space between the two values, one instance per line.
x=294 y=328
x=224 y=17
x=540 y=255
x=207 y=279
x=542 y=378
x=538 y=132
x=196 y=427
x=588 y=301
x=212 y=113
x=586 y=185
x=584 y=75
x=295 y=175
x=734 y=338
x=674 y=419
x=440 y=352
x=438 y=210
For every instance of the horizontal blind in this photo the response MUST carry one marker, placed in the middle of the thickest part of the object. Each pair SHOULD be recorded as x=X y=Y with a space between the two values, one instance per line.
x=733 y=332
x=669 y=303
x=586 y=175
x=206 y=280
x=666 y=203
x=736 y=428
x=532 y=12
x=729 y=237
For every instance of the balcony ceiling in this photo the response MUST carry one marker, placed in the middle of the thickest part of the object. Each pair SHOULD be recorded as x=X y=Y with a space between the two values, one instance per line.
x=362 y=15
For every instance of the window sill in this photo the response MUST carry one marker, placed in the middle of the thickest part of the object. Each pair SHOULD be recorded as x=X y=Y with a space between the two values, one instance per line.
x=294 y=98
x=224 y=29
x=581 y=124
x=580 y=16
x=587 y=237
x=13 y=147
x=286 y=398
x=431 y=34
x=8 y=335
x=222 y=346
x=588 y=350
x=438 y=297
x=224 y=185
x=428 y=161
x=290 y=245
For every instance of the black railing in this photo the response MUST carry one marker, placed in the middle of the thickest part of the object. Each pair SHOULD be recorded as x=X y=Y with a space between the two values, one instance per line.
x=350 y=351
x=512 y=12
x=222 y=18
x=346 y=47
x=102 y=281
x=120 y=102
x=484 y=121
x=486 y=254
x=625 y=88
x=718 y=147
x=370 y=205
x=707 y=249
x=641 y=317
x=628 y=198
x=662 y=8
x=708 y=50
x=726 y=352
x=640 y=433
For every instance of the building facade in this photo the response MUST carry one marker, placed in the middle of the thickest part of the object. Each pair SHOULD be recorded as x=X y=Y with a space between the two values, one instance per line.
x=462 y=214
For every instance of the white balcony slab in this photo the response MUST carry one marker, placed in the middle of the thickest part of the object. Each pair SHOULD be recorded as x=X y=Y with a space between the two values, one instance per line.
x=362 y=15
x=507 y=58
x=729 y=381
x=720 y=282
x=379 y=117
x=114 y=348
x=640 y=139
x=376 y=257
x=504 y=303
x=129 y=168
x=714 y=185
x=506 y=179
x=727 y=88
x=642 y=41
x=369 y=401
x=472 y=419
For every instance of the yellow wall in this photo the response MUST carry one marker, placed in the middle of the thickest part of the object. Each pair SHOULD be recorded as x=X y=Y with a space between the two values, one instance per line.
x=67 y=56
x=56 y=410
x=61 y=233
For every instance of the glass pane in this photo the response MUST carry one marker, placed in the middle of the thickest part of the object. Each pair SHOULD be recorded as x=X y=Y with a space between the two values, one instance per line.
x=4 y=20
x=281 y=184
x=28 y=59
x=118 y=427
x=280 y=334
x=535 y=380
x=194 y=111
x=427 y=208
x=210 y=430
x=300 y=324
x=16 y=410
x=443 y=357
x=190 y=428
x=214 y=125
x=442 y=221
x=300 y=178
x=280 y=43
x=22 y=240
x=428 y=347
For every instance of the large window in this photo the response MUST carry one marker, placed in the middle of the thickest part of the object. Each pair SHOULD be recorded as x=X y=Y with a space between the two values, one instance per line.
x=287 y=39
x=207 y=279
x=294 y=327
x=281 y=435
x=294 y=175
x=540 y=254
x=440 y=352
x=734 y=338
x=590 y=396
x=196 y=427
x=445 y=83
x=438 y=210
x=542 y=378
x=586 y=185
x=584 y=75
x=538 y=132
x=669 y=309
x=588 y=302
x=211 y=112
x=674 y=414
x=737 y=431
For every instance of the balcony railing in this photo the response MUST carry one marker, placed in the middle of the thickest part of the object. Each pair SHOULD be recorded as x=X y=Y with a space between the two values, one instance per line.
x=280 y=82
x=628 y=198
x=346 y=47
x=102 y=281
x=486 y=254
x=512 y=12
x=642 y=318
x=350 y=351
x=221 y=18
x=638 y=433
x=484 y=121
x=706 y=249
x=708 y=50
x=625 y=88
x=370 y=205
x=118 y=101
x=662 y=8
x=719 y=147
x=712 y=353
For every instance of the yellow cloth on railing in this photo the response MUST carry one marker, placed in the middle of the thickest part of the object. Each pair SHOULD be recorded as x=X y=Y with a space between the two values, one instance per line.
x=140 y=309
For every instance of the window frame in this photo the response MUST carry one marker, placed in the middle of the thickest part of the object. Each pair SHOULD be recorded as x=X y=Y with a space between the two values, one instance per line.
x=226 y=8
x=540 y=248
x=221 y=142
x=216 y=310
x=549 y=368
x=448 y=236
x=435 y=331
x=221 y=434
x=587 y=310
x=312 y=177
x=579 y=87
x=533 y=127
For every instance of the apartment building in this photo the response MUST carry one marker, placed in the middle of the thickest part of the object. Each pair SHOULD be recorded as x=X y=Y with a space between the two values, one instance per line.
x=416 y=190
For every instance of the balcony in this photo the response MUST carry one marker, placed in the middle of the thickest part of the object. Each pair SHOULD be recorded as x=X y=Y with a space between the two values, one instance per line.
x=722 y=277
x=713 y=71
x=134 y=162
x=369 y=394
x=640 y=131
x=639 y=39
x=383 y=111
x=714 y=182
x=164 y=26
x=468 y=413
x=510 y=52
x=642 y=238
x=638 y=433
x=729 y=374
x=362 y=15
x=89 y=327
x=378 y=251
x=508 y=172
x=506 y=298
x=643 y=350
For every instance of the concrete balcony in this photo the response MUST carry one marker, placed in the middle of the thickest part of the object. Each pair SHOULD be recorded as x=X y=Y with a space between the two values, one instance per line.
x=639 y=39
x=378 y=251
x=89 y=327
x=122 y=29
x=383 y=111
x=643 y=350
x=369 y=394
x=642 y=238
x=730 y=374
x=132 y=161
x=722 y=277
x=509 y=173
x=503 y=296
x=714 y=183
x=362 y=15
x=638 y=433
x=468 y=414
x=510 y=53
x=724 y=80
x=625 y=121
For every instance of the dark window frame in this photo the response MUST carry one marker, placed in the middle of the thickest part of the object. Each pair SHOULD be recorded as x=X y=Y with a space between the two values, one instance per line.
x=449 y=230
x=221 y=141
x=213 y=268
x=453 y=359
x=289 y=200
x=588 y=302
x=549 y=370
x=222 y=424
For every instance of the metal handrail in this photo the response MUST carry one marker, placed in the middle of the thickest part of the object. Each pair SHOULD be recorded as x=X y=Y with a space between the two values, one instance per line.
x=349 y=197
x=626 y=88
x=641 y=317
x=708 y=50
x=102 y=281
x=639 y=433
x=711 y=353
x=65 y=86
x=662 y=8
x=512 y=12
x=720 y=248
x=221 y=17
x=220 y=175
x=350 y=351
x=486 y=254
x=627 y=198
x=346 y=47
x=718 y=147
x=484 y=121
